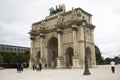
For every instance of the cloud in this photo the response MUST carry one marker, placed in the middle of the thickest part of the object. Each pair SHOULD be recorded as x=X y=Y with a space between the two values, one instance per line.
x=17 y=16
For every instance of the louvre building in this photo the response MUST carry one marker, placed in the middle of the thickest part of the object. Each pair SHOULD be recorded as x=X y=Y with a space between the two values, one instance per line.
x=12 y=48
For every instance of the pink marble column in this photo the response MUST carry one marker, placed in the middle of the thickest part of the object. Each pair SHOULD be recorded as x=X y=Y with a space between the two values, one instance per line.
x=31 y=52
x=32 y=47
x=76 y=57
x=42 y=59
x=74 y=30
x=42 y=44
x=59 y=31
x=60 y=58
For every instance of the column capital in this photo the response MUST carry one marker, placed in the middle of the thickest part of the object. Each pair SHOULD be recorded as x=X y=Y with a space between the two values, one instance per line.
x=42 y=35
x=74 y=27
x=59 y=31
x=32 y=37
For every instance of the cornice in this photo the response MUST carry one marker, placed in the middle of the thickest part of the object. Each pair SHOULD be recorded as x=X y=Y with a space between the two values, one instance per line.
x=91 y=26
x=61 y=26
x=82 y=41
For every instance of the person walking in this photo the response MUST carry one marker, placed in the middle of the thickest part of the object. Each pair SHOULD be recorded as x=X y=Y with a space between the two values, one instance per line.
x=112 y=66
x=18 y=67
x=40 y=66
x=33 y=66
x=37 y=66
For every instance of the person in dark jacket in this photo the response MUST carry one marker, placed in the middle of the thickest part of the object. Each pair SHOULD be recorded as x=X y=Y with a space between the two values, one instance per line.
x=40 y=66
x=18 y=67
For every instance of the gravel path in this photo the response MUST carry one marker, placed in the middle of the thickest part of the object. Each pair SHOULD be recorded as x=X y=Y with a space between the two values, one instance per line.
x=100 y=73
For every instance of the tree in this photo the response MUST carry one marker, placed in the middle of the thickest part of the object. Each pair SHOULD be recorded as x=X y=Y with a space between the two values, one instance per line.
x=27 y=56
x=107 y=60
x=116 y=59
x=8 y=58
x=1 y=59
x=19 y=58
x=99 y=58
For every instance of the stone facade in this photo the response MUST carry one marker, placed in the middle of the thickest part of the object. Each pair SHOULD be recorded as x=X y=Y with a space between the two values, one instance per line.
x=58 y=40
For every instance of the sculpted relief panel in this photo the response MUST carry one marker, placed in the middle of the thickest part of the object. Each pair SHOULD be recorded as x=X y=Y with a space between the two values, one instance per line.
x=51 y=22
x=37 y=41
x=88 y=38
x=67 y=38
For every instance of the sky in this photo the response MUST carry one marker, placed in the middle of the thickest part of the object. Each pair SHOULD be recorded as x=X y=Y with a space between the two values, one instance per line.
x=17 y=16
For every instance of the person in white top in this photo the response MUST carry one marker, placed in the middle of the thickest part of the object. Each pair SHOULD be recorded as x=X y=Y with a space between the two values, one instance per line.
x=112 y=66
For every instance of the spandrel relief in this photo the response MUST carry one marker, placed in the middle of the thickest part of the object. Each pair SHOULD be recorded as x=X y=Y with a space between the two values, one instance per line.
x=67 y=38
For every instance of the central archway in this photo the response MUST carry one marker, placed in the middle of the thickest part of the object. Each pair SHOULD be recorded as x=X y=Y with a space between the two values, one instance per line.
x=52 y=52
x=69 y=55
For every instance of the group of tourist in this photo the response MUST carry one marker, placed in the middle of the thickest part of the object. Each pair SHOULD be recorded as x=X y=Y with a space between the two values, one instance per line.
x=21 y=66
x=37 y=66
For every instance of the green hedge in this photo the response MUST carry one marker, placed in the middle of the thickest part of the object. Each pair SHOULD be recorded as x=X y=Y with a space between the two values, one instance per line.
x=8 y=65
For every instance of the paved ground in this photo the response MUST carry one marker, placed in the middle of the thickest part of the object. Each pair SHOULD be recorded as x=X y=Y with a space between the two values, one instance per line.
x=99 y=73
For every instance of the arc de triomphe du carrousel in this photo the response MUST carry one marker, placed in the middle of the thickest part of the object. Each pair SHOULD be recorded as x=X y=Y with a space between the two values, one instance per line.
x=58 y=40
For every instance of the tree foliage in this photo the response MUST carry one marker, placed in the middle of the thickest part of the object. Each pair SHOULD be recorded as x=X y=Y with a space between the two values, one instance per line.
x=99 y=58
x=14 y=57
x=117 y=59
x=1 y=59
x=107 y=60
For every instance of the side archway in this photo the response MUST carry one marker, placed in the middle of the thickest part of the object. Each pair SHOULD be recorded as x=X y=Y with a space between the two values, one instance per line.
x=52 y=50
x=69 y=54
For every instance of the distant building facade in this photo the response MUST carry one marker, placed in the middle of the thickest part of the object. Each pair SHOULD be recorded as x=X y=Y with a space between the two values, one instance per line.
x=12 y=48
x=58 y=40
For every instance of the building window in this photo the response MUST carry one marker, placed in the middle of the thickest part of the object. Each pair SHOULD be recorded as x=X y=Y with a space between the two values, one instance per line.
x=21 y=49
x=7 y=48
x=3 y=48
x=11 y=49
x=18 y=49
x=15 y=49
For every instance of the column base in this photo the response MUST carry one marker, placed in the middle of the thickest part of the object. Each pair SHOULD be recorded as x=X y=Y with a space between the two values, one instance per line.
x=60 y=62
x=76 y=60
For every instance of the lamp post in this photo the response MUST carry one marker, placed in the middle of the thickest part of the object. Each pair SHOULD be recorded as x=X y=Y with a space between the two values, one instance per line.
x=86 y=70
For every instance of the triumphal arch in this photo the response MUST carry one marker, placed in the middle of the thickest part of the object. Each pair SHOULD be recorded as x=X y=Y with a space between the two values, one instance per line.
x=59 y=40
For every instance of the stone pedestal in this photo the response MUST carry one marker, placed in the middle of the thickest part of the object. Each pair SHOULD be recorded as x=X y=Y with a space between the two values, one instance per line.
x=76 y=60
x=60 y=62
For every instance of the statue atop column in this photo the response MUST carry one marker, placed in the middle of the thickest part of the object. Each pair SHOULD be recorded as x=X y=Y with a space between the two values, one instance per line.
x=60 y=19
x=74 y=14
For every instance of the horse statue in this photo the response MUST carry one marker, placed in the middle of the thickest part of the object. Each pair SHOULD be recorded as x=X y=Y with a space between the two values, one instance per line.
x=60 y=9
